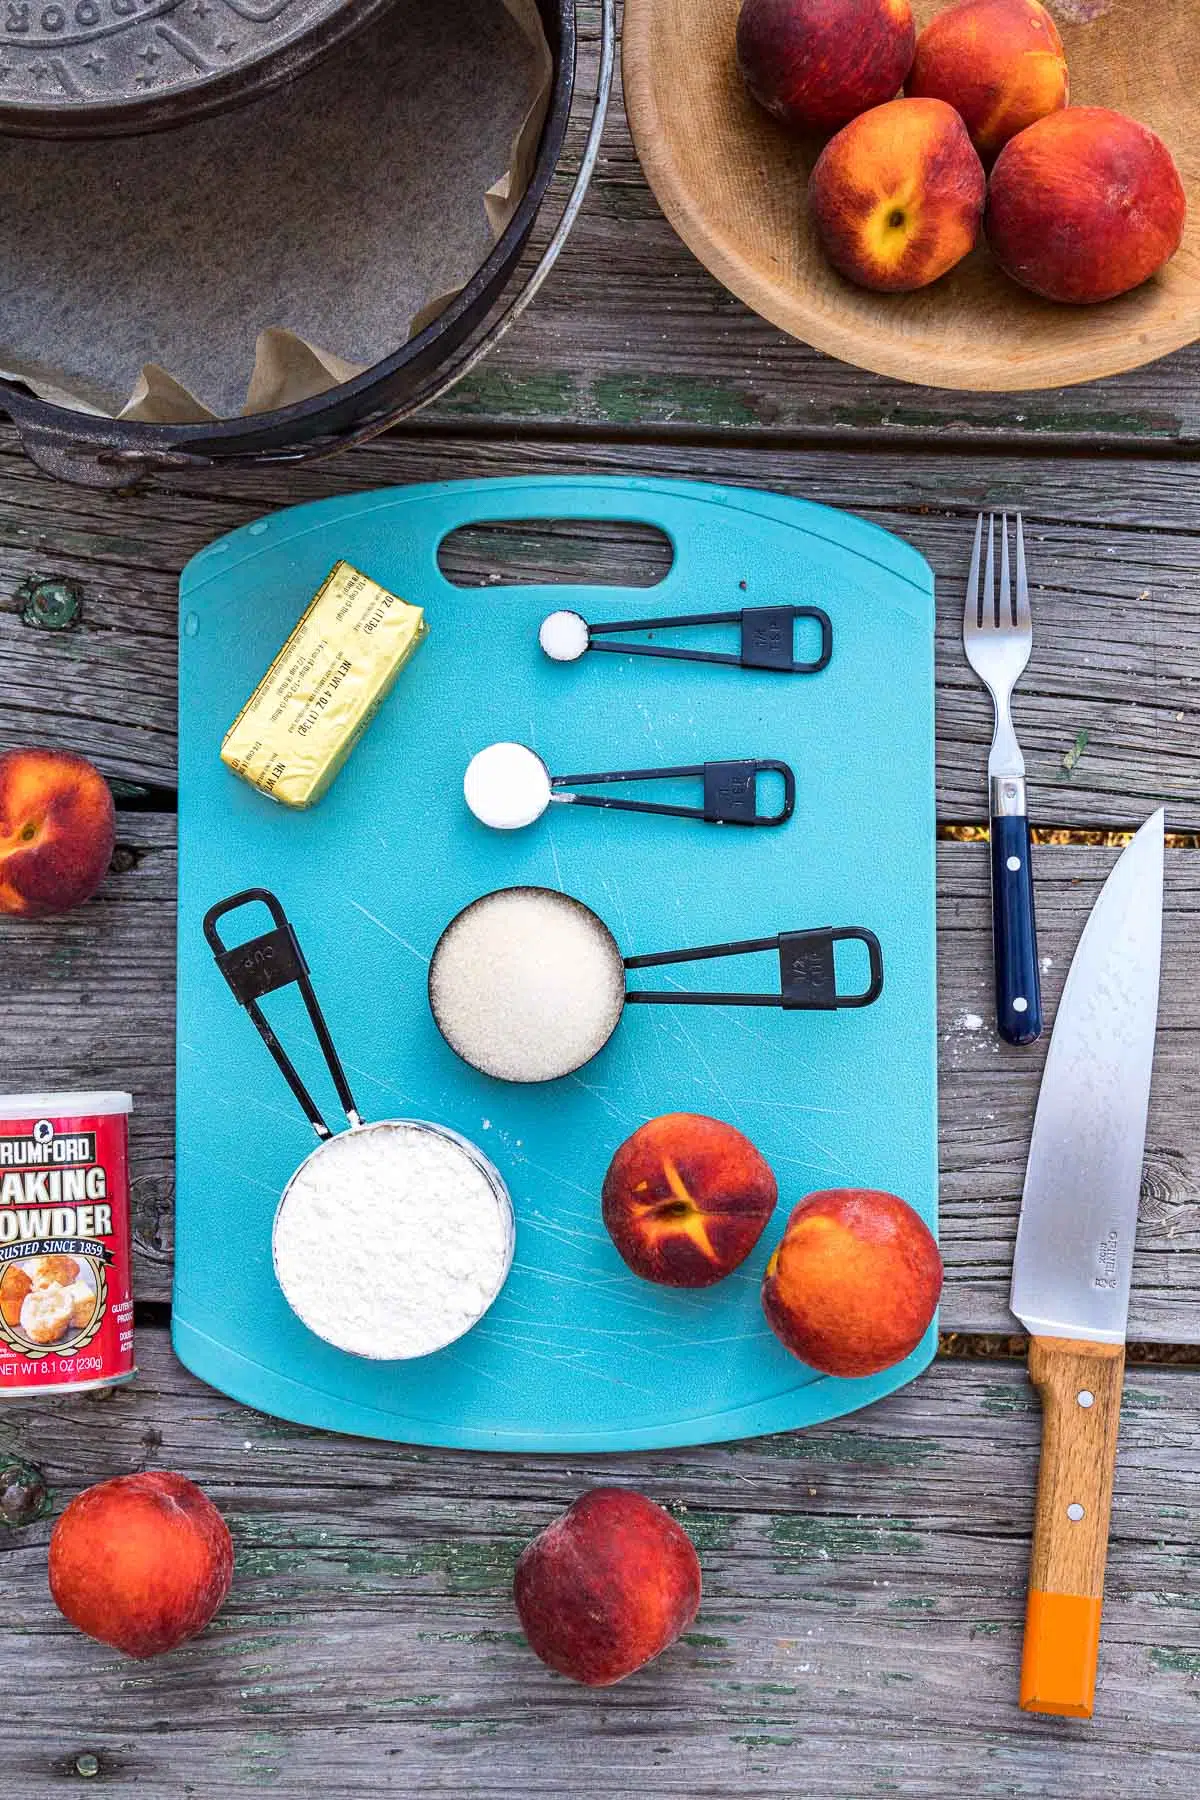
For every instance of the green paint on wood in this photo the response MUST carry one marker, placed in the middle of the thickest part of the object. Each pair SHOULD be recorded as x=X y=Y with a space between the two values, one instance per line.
x=133 y=790
x=999 y=1399
x=1178 y=1662
x=703 y=1640
x=845 y=1447
x=468 y=1565
x=668 y=400
x=913 y=1603
x=1071 y=757
x=471 y=1637
x=1052 y=422
x=843 y=1602
x=828 y=1539
x=759 y=1739
x=707 y=1530
x=497 y=393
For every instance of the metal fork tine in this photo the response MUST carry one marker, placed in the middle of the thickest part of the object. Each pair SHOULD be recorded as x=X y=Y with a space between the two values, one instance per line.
x=1004 y=611
x=1023 y=620
x=989 y=578
x=971 y=616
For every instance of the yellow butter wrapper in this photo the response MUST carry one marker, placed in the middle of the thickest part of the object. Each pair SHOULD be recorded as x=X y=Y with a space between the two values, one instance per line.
x=323 y=689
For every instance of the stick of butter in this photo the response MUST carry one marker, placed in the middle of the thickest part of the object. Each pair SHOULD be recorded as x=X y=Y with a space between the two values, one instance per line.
x=323 y=689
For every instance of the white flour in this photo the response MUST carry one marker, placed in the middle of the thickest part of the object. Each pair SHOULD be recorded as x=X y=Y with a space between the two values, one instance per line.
x=526 y=985
x=392 y=1240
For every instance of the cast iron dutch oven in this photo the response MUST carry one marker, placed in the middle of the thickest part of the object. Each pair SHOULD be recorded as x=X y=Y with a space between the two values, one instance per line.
x=101 y=452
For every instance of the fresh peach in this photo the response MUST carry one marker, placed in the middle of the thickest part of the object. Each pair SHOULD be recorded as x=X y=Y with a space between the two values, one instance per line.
x=141 y=1562
x=999 y=63
x=56 y=831
x=897 y=196
x=855 y=1282
x=1085 y=205
x=686 y=1198
x=607 y=1587
x=814 y=64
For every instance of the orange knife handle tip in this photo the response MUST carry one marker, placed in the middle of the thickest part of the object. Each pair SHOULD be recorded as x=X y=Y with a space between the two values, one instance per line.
x=1062 y=1644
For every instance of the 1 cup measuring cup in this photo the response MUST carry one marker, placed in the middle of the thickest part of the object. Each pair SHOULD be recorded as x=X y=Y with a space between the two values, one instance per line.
x=527 y=984
x=391 y=1239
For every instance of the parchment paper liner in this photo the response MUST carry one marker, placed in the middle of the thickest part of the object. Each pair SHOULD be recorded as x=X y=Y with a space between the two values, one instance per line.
x=356 y=203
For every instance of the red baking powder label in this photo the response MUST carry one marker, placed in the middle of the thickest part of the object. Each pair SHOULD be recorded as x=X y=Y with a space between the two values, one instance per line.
x=66 y=1301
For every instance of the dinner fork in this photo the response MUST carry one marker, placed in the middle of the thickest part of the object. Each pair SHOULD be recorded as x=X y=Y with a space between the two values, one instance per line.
x=997 y=637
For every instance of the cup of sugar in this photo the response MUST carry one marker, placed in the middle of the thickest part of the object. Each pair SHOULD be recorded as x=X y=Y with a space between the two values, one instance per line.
x=393 y=1239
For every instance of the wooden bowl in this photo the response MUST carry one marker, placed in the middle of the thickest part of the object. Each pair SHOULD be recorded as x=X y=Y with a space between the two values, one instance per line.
x=733 y=184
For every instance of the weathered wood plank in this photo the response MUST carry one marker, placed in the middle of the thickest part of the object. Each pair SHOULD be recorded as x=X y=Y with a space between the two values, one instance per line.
x=89 y=1001
x=1114 y=557
x=860 y=1630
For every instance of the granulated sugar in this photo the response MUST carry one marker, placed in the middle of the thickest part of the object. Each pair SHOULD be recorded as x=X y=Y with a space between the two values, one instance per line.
x=526 y=984
x=393 y=1239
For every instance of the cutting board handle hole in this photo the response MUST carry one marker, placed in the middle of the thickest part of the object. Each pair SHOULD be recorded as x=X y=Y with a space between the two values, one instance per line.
x=566 y=552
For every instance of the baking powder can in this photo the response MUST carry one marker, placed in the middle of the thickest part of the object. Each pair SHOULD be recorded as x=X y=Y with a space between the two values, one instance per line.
x=66 y=1248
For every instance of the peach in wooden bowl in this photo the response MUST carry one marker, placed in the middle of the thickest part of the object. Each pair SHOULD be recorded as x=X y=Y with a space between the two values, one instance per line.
x=735 y=185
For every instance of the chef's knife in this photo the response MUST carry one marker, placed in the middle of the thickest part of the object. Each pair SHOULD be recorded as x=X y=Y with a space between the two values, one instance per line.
x=1074 y=1259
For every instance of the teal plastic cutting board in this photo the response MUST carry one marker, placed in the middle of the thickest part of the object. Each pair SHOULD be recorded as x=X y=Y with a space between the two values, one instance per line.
x=578 y=1353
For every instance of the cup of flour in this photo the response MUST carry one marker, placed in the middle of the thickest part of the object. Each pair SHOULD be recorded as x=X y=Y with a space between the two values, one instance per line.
x=393 y=1239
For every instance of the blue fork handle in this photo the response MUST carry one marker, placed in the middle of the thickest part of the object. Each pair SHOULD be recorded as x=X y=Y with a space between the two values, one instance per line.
x=1014 y=932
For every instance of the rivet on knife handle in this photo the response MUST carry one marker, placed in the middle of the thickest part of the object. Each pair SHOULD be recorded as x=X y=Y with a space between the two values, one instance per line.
x=1080 y=1387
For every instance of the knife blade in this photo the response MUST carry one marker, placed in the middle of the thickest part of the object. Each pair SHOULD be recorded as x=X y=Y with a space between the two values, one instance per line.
x=1074 y=1259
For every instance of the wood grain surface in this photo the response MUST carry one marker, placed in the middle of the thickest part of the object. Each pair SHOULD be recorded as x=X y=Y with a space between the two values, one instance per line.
x=864 y=1581
x=860 y=1632
x=1078 y=1457
x=1107 y=711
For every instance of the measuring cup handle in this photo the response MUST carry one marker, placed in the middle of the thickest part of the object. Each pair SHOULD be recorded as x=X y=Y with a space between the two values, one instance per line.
x=259 y=966
x=807 y=971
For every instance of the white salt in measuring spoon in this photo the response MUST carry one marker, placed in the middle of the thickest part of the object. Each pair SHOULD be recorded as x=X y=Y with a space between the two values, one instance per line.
x=766 y=638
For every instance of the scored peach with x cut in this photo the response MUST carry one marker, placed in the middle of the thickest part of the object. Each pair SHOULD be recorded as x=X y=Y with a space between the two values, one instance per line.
x=686 y=1199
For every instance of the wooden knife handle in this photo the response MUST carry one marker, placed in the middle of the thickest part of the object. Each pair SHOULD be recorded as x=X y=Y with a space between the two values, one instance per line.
x=1080 y=1388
